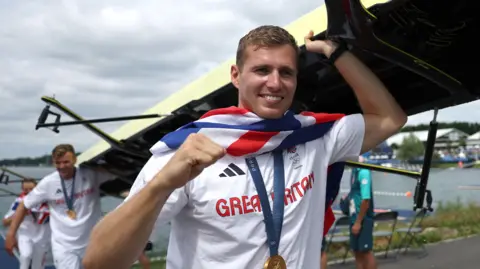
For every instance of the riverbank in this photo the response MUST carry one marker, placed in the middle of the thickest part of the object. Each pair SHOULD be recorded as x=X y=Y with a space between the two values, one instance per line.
x=455 y=165
x=454 y=253
x=449 y=221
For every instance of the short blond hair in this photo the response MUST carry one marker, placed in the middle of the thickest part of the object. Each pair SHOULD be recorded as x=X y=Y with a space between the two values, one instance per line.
x=264 y=36
x=62 y=149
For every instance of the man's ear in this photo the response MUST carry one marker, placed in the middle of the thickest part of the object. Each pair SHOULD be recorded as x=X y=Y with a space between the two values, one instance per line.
x=235 y=75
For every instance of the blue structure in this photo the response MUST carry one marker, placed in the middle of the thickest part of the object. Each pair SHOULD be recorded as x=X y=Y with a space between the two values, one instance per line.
x=9 y=262
x=382 y=153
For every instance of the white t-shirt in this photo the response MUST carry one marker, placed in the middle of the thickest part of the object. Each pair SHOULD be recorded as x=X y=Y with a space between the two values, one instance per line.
x=33 y=228
x=68 y=234
x=216 y=220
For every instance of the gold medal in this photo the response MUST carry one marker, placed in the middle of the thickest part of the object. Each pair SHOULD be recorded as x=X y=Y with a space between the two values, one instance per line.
x=275 y=262
x=71 y=214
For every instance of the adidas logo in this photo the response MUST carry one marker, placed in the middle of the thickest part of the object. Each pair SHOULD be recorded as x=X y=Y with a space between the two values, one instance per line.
x=232 y=171
x=58 y=191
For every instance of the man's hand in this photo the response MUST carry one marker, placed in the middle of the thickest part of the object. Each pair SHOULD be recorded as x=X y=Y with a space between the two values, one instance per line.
x=195 y=154
x=383 y=115
x=6 y=221
x=357 y=226
x=325 y=47
x=10 y=243
x=10 y=238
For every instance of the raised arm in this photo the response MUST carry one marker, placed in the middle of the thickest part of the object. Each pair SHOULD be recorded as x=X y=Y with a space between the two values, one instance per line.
x=383 y=116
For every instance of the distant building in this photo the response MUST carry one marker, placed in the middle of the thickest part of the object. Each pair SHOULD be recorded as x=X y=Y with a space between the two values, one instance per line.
x=445 y=138
x=473 y=141
x=382 y=151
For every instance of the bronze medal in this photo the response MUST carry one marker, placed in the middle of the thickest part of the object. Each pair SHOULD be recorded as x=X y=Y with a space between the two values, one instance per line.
x=71 y=214
x=275 y=262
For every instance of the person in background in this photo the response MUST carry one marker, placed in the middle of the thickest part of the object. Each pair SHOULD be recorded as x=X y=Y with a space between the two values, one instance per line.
x=73 y=196
x=361 y=213
x=34 y=232
x=323 y=258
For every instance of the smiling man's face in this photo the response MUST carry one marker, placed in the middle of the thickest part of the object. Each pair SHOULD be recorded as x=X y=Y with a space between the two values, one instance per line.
x=267 y=80
x=265 y=72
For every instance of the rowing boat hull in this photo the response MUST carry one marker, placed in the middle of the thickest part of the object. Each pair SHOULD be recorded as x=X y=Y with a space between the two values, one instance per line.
x=321 y=88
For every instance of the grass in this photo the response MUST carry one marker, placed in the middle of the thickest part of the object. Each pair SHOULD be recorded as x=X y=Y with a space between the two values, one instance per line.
x=450 y=220
x=456 y=216
x=450 y=165
x=153 y=265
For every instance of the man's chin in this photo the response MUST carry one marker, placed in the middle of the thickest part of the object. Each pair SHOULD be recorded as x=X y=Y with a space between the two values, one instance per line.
x=270 y=113
x=64 y=175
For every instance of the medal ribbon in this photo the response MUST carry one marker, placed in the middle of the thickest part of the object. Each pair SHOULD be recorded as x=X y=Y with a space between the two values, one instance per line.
x=273 y=222
x=69 y=200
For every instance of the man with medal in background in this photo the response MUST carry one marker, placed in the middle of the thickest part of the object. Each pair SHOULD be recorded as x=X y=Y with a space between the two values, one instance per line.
x=73 y=196
x=217 y=178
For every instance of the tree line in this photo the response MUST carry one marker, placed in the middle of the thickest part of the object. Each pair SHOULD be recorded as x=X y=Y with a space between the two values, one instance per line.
x=467 y=127
x=29 y=161
x=411 y=147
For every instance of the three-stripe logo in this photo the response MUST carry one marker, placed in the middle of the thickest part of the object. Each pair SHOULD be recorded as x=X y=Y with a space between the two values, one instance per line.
x=232 y=171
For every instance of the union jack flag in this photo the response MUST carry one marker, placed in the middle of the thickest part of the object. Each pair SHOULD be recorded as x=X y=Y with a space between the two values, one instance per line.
x=40 y=213
x=243 y=133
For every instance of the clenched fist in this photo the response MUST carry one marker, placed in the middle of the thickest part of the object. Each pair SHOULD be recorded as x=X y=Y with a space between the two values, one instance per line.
x=194 y=155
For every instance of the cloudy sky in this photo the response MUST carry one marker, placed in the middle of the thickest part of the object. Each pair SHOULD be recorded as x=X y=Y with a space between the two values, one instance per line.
x=108 y=58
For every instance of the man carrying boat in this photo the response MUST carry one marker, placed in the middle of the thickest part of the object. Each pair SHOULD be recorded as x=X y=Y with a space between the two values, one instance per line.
x=34 y=232
x=215 y=179
x=73 y=196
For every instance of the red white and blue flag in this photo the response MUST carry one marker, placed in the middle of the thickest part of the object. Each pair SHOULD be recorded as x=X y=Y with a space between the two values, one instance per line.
x=40 y=213
x=243 y=133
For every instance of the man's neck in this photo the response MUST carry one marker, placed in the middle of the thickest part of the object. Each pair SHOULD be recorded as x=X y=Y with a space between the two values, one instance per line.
x=69 y=176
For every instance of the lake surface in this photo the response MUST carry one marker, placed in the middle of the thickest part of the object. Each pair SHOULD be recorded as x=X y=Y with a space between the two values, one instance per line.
x=390 y=191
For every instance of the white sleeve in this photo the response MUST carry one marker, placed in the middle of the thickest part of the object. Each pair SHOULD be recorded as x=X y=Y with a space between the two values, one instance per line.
x=11 y=210
x=176 y=201
x=346 y=138
x=38 y=195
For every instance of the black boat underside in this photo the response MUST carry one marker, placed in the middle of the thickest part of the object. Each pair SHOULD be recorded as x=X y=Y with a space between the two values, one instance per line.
x=419 y=49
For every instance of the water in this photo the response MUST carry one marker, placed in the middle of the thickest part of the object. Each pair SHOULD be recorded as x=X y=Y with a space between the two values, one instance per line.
x=443 y=183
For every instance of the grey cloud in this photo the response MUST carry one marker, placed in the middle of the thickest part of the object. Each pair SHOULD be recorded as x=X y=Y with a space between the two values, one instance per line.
x=113 y=57
x=467 y=112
